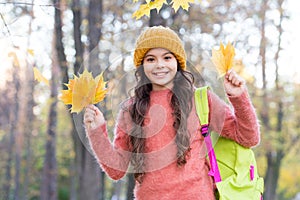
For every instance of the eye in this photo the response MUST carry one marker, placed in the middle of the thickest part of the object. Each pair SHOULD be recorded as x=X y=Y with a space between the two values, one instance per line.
x=150 y=59
x=169 y=57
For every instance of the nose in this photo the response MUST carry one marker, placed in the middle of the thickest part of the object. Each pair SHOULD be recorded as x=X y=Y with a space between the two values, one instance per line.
x=161 y=64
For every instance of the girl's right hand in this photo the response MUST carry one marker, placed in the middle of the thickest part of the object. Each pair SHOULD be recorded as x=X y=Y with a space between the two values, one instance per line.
x=93 y=117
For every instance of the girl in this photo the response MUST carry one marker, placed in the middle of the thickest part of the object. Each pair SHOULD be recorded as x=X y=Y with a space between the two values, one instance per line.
x=157 y=135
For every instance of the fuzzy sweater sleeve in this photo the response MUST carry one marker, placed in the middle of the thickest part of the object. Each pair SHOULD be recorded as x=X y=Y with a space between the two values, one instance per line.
x=114 y=157
x=238 y=122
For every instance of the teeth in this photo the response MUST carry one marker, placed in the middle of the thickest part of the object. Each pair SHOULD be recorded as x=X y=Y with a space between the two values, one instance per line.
x=160 y=73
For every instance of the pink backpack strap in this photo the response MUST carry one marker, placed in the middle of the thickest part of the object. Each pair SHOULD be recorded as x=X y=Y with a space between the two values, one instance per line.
x=202 y=108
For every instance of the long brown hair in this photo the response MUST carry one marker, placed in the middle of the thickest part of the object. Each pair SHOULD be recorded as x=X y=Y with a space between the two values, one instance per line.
x=181 y=103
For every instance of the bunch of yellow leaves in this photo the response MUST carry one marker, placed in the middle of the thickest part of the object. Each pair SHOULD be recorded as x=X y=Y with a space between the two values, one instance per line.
x=223 y=58
x=145 y=9
x=84 y=90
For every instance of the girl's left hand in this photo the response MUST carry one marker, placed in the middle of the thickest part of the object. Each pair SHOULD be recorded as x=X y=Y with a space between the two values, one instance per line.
x=233 y=83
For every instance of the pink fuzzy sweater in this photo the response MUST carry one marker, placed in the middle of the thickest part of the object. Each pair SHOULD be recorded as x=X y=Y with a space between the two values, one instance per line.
x=164 y=180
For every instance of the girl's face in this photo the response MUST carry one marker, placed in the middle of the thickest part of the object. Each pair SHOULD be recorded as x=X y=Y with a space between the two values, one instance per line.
x=160 y=66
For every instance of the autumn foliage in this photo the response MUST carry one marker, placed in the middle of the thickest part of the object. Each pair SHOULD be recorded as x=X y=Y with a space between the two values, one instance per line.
x=223 y=58
x=84 y=90
x=145 y=9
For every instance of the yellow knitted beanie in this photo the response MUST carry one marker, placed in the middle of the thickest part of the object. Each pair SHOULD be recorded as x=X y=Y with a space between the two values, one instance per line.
x=159 y=37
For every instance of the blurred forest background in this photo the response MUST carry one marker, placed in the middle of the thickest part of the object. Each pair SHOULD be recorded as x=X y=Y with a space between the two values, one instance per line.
x=44 y=153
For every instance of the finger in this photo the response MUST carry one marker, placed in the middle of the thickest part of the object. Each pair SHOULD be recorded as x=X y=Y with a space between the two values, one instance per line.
x=89 y=109
x=88 y=120
x=239 y=82
x=234 y=78
x=230 y=75
x=97 y=111
x=89 y=115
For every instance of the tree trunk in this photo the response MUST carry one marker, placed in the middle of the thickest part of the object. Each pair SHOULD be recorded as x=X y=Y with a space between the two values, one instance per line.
x=28 y=125
x=49 y=179
x=28 y=132
x=75 y=167
x=130 y=186
x=18 y=147
x=14 y=120
x=275 y=153
x=265 y=111
x=94 y=34
x=264 y=114
x=275 y=156
x=75 y=170
x=59 y=46
x=76 y=9
x=19 y=133
x=272 y=175
x=91 y=179
x=26 y=92
x=156 y=19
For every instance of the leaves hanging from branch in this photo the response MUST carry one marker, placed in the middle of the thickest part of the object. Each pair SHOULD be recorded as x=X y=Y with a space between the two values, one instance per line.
x=84 y=90
x=185 y=4
x=145 y=9
x=223 y=58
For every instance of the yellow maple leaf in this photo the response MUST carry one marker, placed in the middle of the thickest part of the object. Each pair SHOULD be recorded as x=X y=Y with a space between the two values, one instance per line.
x=176 y=4
x=157 y=4
x=67 y=95
x=84 y=90
x=145 y=9
x=223 y=58
x=39 y=77
x=100 y=93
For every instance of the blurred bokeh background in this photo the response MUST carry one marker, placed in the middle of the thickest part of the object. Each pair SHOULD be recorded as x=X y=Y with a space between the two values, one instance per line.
x=44 y=153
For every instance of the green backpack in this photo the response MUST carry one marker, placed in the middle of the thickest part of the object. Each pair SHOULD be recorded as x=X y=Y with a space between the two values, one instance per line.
x=233 y=166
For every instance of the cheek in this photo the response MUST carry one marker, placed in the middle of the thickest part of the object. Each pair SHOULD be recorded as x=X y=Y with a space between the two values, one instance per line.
x=174 y=66
x=147 y=70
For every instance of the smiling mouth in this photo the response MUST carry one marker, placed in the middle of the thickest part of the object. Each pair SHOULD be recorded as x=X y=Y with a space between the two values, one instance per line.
x=160 y=73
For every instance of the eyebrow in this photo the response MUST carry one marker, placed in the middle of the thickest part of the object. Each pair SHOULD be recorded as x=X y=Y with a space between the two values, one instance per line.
x=169 y=52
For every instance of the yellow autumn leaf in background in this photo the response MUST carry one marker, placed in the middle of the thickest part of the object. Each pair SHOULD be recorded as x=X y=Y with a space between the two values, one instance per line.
x=30 y=52
x=157 y=4
x=145 y=9
x=84 y=90
x=39 y=77
x=223 y=58
x=176 y=4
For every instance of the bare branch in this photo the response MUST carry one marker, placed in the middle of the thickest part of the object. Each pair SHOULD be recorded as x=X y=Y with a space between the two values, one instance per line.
x=7 y=29
x=29 y=4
